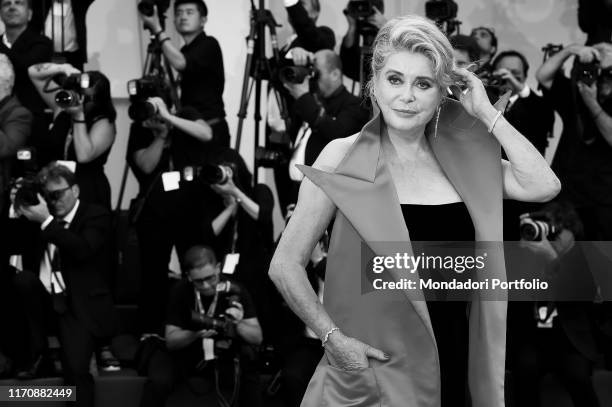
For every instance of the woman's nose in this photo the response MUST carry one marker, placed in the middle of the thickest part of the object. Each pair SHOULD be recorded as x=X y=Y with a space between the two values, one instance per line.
x=407 y=95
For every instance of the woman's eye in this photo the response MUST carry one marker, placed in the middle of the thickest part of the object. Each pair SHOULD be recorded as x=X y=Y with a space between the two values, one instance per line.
x=423 y=85
x=394 y=80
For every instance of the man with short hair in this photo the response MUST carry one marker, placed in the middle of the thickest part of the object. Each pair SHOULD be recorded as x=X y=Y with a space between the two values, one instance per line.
x=190 y=347
x=465 y=50
x=322 y=114
x=64 y=277
x=487 y=43
x=199 y=62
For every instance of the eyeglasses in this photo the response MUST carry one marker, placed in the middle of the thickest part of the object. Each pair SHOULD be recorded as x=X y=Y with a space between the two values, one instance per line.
x=55 y=195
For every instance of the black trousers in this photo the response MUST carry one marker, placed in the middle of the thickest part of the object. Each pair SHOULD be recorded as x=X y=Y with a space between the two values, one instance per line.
x=76 y=341
x=166 y=369
x=549 y=350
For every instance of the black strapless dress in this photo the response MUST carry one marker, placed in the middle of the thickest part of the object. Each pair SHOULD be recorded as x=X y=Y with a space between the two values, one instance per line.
x=447 y=222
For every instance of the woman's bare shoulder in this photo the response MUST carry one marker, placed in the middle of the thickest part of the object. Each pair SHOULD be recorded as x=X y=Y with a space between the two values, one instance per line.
x=334 y=152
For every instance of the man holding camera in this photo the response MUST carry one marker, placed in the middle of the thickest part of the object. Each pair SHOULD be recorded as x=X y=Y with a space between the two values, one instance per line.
x=64 y=279
x=487 y=43
x=211 y=323
x=199 y=62
x=583 y=160
x=158 y=149
x=324 y=110
x=363 y=25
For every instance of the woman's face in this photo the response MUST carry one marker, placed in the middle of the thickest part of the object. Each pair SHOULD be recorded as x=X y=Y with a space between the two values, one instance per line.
x=407 y=92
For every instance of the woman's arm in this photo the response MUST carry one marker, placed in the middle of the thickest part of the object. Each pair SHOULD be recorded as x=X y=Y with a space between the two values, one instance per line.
x=91 y=144
x=526 y=176
x=198 y=129
x=222 y=218
x=40 y=74
x=546 y=73
x=313 y=212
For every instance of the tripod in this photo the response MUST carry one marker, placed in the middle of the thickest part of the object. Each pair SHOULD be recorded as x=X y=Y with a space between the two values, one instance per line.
x=257 y=67
x=156 y=64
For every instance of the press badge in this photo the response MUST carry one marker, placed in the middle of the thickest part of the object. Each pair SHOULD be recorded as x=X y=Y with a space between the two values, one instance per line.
x=230 y=263
x=208 y=345
x=71 y=165
x=171 y=180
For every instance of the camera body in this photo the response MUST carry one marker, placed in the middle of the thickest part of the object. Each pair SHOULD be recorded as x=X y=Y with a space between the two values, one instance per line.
x=587 y=73
x=139 y=90
x=24 y=178
x=441 y=10
x=72 y=87
x=359 y=9
x=291 y=73
x=146 y=6
x=537 y=228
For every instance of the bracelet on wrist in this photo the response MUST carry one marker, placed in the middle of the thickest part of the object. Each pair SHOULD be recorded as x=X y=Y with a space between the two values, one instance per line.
x=327 y=334
x=497 y=116
x=164 y=40
x=78 y=121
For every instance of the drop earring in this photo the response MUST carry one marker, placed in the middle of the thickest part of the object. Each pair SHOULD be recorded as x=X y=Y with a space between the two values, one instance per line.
x=436 y=125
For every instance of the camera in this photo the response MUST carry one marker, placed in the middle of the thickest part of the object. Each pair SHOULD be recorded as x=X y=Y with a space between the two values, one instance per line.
x=27 y=192
x=587 y=73
x=139 y=90
x=209 y=174
x=24 y=178
x=270 y=158
x=292 y=73
x=225 y=325
x=533 y=229
x=441 y=10
x=359 y=9
x=146 y=6
x=72 y=87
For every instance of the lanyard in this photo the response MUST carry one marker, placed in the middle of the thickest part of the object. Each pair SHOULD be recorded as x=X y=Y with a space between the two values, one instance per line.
x=200 y=306
x=235 y=234
x=68 y=142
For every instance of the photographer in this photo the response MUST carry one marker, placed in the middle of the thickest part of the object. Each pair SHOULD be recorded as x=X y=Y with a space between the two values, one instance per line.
x=15 y=125
x=83 y=129
x=360 y=28
x=583 y=161
x=164 y=215
x=309 y=37
x=465 y=49
x=199 y=297
x=324 y=110
x=240 y=218
x=64 y=282
x=557 y=336
x=199 y=61
x=487 y=43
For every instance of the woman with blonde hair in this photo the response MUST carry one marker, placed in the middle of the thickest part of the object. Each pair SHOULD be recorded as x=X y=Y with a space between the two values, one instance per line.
x=425 y=168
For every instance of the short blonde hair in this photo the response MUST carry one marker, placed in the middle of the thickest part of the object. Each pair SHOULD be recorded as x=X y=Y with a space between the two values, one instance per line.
x=7 y=74
x=418 y=35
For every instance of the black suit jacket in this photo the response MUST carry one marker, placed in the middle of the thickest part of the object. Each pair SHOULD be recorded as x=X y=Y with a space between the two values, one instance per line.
x=340 y=115
x=534 y=118
x=84 y=250
x=79 y=8
x=30 y=48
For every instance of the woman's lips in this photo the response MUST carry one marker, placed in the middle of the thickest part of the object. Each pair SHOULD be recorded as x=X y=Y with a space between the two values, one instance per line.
x=405 y=112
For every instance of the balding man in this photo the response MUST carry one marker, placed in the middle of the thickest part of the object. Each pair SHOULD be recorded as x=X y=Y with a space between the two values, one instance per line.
x=322 y=114
x=15 y=125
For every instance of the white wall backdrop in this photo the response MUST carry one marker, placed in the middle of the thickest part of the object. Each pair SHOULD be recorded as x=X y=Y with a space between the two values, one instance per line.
x=117 y=43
